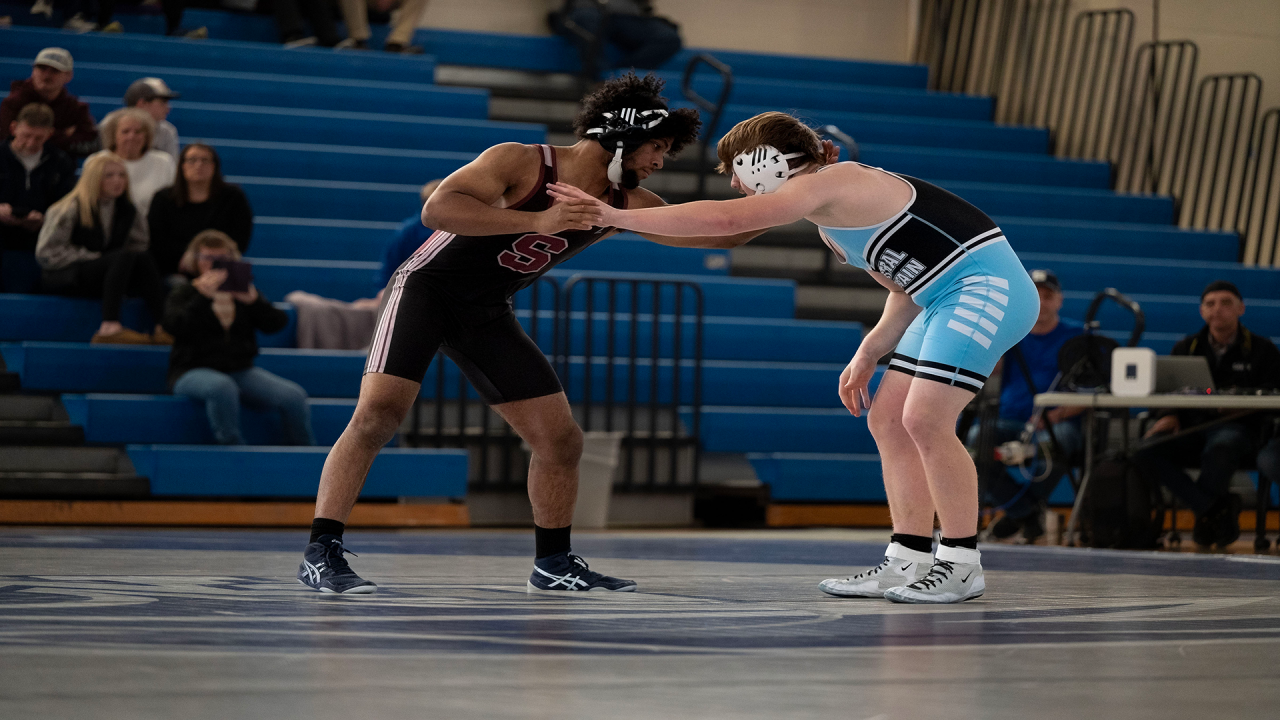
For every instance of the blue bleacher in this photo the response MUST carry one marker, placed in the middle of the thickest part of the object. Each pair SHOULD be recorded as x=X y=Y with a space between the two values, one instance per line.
x=336 y=127
x=899 y=129
x=1040 y=235
x=1180 y=277
x=808 y=477
x=165 y=419
x=283 y=472
x=84 y=368
x=223 y=55
x=110 y=80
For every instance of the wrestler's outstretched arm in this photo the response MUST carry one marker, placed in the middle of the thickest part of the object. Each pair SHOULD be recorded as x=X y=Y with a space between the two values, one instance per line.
x=799 y=197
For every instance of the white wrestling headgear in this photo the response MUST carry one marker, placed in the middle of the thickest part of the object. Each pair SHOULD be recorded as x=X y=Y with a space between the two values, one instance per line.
x=624 y=131
x=765 y=168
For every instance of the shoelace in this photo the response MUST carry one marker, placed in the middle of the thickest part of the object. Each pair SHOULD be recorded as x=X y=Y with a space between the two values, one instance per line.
x=868 y=574
x=585 y=573
x=338 y=563
x=935 y=576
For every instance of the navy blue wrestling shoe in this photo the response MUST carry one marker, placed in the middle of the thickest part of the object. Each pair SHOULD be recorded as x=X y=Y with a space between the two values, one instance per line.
x=325 y=569
x=567 y=572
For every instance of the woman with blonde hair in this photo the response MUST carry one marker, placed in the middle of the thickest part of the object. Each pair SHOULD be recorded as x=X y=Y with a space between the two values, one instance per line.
x=959 y=298
x=129 y=133
x=214 y=328
x=94 y=244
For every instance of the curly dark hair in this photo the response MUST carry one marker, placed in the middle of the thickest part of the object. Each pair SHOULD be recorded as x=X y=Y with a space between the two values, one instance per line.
x=642 y=93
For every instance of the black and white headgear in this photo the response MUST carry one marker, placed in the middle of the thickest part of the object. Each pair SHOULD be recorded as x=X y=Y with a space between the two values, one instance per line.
x=623 y=131
x=765 y=168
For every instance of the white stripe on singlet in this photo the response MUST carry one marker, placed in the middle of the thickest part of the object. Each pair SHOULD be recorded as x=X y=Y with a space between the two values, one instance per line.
x=381 y=344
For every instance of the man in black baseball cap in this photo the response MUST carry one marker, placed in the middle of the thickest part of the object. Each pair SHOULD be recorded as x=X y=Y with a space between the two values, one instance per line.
x=153 y=95
x=1238 y=358
x=74 y=128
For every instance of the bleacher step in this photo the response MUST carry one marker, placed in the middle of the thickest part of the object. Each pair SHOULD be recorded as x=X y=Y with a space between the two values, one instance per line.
x=40 y=432
x=94 y=460
x=69 y=485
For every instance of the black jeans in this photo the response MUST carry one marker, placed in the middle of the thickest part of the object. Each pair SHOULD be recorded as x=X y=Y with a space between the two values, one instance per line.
x=173 y=10
x=643 y=42
x=1219 y=451
x=289 y=16
x=111 y=277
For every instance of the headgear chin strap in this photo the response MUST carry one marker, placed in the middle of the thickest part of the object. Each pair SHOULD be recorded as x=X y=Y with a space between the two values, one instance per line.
x=765 y=168
x=623 y=131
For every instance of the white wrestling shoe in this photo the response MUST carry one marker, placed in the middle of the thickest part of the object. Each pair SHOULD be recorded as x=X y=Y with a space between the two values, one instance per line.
x=901 y=566
x=956 y=576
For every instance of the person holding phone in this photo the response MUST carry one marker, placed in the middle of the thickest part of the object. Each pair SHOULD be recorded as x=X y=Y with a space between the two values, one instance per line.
x=214 y=320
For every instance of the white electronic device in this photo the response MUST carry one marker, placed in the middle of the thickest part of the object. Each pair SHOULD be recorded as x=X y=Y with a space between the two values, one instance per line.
x=1133 y=371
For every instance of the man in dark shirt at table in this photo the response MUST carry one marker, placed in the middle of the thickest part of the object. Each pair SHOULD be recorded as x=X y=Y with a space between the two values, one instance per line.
x=1238 y=358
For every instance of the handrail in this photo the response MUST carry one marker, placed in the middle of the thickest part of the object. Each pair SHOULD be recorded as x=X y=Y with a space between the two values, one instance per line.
x=716 y=109
x=1139 y=318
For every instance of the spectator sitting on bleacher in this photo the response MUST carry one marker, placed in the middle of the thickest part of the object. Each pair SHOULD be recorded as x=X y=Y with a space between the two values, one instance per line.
x=215 y=343
x=153 y=96
x=356 y=14
x=128 y=133
x=408 y=238
x=1237 y=358
x=644 y=39
x=173 y=10
x=94 y=244
x=328 y=324
x=1023 y=502
x=198 y=200
x=74 y=131
x=33 y=175
x=319 y=15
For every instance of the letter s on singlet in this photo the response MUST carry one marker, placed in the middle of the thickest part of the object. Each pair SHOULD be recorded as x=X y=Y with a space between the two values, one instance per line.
x=530 y=253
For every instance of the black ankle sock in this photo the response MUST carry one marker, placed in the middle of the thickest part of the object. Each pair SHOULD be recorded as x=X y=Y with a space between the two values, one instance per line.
x=970 y=542
x=919 y=543
x=550 y=541
x=325 y=526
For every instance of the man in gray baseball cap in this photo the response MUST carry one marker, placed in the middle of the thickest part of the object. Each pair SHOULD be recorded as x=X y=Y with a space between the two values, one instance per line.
x=74 y=128
x=153 y=95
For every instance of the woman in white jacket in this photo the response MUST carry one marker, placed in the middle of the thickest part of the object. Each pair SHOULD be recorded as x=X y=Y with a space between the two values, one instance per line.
x=129 y=133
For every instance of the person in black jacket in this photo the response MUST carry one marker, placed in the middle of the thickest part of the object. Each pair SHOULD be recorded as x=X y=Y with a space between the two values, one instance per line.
x=215 y=343
x=1238 y=358
x=198 y=200
x=34 y=174
x=94 y=244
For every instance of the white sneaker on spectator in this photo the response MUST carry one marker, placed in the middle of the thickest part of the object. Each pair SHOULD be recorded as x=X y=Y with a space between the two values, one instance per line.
x=901 y=566
x=43 y=7
x=956 y=576
x=302 y=42
x=351 y=44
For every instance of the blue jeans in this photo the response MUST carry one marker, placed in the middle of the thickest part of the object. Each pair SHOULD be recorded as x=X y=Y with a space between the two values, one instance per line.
x=1020 y=497
x=1219 y=451
x=222 y=392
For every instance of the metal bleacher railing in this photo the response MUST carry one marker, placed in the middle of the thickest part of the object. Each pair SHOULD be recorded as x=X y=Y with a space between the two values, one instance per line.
x=1164 y=131
x=714 y=109
x=644 y=383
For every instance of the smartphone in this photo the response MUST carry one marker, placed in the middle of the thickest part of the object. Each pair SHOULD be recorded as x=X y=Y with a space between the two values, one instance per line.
x=239 y=275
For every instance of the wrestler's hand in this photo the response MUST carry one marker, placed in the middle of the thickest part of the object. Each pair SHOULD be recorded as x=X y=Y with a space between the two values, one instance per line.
x=609 y=215
x=570 y=214
x=854 y=382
